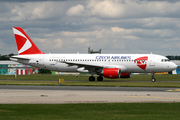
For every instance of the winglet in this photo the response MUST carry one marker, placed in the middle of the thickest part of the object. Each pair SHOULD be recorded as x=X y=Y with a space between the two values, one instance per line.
x=24 y=44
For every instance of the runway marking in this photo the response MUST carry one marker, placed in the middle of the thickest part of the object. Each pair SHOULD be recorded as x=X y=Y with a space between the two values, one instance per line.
x=174 y=90
x=154 y=97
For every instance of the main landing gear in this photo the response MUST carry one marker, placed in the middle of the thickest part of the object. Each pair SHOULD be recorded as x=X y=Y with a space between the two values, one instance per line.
x=153 y=79
x=99 y=78
x=91 y=78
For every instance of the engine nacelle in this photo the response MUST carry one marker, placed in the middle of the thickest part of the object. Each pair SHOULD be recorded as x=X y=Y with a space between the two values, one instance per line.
x=111 y=73
x=114 y=73
x=125 y=75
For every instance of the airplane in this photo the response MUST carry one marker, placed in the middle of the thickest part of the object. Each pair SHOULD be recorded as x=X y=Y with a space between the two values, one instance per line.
x=112 y=66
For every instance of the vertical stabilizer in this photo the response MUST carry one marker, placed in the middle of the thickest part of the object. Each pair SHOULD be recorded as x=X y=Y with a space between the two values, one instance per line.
x=24 y=44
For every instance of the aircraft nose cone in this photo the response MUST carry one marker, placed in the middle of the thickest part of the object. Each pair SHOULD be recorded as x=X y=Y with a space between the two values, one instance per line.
x=173 y=66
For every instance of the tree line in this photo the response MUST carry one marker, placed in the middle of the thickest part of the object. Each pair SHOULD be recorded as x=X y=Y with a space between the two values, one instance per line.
x=171 y=57
x=6 y=57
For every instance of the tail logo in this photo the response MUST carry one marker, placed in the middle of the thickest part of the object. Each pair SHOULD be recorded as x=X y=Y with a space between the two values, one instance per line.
x=141 y=62
x=26 y=45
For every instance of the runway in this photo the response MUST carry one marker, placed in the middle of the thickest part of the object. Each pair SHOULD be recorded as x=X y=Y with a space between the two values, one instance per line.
x=10 y=94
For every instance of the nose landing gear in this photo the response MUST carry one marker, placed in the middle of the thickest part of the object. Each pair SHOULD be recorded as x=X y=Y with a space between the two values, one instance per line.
x=153 y=79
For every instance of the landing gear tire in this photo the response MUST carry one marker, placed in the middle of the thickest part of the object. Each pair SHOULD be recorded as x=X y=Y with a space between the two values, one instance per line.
x=153 y=80
x=91 y=78
x=99 y=78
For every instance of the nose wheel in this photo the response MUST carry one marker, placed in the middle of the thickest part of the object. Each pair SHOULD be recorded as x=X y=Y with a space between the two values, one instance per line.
x=153 y=79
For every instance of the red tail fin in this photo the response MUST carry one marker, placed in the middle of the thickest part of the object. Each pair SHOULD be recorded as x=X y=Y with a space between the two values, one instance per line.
x=24 y=44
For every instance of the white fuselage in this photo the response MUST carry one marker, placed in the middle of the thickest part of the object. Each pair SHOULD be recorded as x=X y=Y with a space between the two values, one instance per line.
x=128 y=63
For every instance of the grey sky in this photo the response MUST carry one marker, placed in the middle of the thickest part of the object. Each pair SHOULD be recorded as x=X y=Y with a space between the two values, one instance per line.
x=115 y=26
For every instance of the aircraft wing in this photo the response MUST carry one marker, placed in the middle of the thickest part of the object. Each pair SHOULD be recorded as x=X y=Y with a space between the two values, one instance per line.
x=92 y=68
x=82 y=64
x=82 y=67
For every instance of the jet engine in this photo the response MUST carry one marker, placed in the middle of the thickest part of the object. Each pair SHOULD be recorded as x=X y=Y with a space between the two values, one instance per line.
x=111 y=73
x=114 y=73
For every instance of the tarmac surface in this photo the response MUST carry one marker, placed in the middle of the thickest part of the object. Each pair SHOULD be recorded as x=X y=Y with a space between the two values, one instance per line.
x=10 y=94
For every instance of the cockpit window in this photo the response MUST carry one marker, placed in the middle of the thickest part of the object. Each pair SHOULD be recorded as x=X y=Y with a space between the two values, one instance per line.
x=165 y=60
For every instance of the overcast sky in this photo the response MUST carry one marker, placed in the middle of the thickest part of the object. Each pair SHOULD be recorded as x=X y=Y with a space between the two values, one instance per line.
x=115 y=26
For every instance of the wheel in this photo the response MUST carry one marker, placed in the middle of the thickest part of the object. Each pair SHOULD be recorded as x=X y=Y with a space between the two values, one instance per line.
x=153 y=80
x=99 y=78
x=91 y=78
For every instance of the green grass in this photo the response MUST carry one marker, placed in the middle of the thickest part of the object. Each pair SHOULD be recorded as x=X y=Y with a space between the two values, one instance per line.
x=105 y=84
x=141 y=77
x=71 y=80
x=98 y=111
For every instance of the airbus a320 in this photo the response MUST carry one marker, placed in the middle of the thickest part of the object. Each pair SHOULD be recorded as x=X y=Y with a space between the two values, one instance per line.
x=108 y=65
